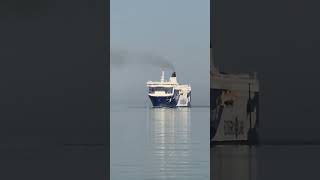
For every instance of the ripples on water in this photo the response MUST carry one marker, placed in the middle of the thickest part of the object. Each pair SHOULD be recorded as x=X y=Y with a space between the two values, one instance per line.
x=160 y=144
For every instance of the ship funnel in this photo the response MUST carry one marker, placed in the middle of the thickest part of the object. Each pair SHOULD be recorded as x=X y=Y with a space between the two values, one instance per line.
x=174 y=74
x=173 y=78
x=162 y=76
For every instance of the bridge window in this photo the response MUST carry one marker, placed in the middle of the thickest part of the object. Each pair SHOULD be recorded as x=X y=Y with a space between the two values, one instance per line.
x=165 y=89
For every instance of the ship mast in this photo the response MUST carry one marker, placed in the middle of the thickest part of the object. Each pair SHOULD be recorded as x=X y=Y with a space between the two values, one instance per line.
x=250 y=107
x=162 y=76
x=211 y=59
x=213 y=69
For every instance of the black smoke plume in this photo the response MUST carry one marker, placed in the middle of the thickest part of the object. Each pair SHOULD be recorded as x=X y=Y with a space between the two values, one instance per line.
x=121 y=58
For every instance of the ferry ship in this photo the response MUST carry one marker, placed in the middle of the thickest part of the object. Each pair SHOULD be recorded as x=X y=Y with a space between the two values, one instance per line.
x=234 y=107
x=169 y=93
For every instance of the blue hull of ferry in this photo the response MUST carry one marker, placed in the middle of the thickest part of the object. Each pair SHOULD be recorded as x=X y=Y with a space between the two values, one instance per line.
x=169 y=101
x=163 y=101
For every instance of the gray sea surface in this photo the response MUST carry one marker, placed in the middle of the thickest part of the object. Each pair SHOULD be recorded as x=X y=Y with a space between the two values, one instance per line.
x=159 y=143
x=265 y=162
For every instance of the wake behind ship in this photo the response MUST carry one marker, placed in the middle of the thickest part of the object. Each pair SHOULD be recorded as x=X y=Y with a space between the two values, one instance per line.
x=169 y=93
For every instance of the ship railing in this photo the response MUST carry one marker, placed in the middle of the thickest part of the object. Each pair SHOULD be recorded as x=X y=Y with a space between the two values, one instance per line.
x=158 y=83
x=160 y=93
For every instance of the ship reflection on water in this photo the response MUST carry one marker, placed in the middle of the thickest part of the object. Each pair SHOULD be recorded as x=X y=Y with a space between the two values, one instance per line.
x=160 y=143
x=264 y=162
x=230 y=162
x=167 y=144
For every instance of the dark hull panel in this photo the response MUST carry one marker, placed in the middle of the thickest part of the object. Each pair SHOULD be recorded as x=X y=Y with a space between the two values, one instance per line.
x=233 y=120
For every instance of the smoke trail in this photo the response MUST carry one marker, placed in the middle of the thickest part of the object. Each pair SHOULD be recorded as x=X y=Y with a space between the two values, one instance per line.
x=121 y=58
x=157 y=61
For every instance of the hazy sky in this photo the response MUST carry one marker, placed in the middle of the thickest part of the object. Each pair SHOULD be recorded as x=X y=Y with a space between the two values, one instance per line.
x=175 y=32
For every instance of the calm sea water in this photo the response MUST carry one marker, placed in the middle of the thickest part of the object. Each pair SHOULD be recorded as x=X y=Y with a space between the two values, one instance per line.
x=152 y=143
x=294 y=162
